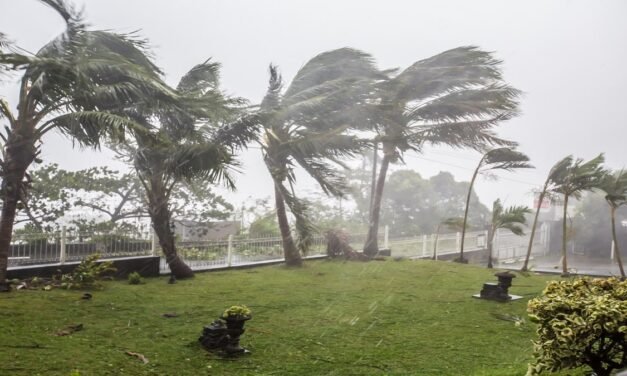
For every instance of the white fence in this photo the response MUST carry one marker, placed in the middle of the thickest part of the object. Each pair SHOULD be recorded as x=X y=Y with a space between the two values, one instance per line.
x=60 y=247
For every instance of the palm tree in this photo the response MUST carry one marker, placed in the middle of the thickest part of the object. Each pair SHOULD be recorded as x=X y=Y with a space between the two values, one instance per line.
x=576 y=177
x=454 y=98
x=615 y=188
x=557 y=170
x=71 y=85
x=512 y=218
x=175 y=147
x=496 y=159
x=453 y=223
x=305 y=126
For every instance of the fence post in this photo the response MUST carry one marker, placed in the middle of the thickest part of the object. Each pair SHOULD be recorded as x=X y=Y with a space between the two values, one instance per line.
x=62 y=253
x=153 y=243
x=424 y=245
x=229 y=251
x=386 y=237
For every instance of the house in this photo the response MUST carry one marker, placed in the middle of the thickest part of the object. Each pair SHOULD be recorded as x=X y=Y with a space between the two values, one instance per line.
x=193 y=231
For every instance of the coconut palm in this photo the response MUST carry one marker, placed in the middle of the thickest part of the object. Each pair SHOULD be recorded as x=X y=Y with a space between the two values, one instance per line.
x=305 y=126
x=513 y=219
x=453 y=223
x=615 y=187
x=454 y=98
x=71 y=85
x=575 y=178
x=194 y=140
x=506 y=159
x=557 y=170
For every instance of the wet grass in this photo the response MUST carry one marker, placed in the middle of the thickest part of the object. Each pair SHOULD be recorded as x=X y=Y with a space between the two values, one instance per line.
x=328 y=318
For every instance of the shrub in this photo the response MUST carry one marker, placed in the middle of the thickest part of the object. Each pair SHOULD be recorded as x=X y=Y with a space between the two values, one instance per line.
x=580 y=323
x=87 y=273
x=135 y=278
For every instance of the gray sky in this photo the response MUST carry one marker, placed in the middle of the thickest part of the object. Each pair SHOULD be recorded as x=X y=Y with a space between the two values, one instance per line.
x=567 y=56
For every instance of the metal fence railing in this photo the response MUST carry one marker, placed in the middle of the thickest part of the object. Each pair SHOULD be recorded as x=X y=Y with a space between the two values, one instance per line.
x=66 y=246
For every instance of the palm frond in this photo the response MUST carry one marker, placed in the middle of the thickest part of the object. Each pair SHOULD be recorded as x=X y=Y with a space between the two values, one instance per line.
x=505 y=159
x=201 y=78
x=615 y=187
x=207 y=161
x=305 y=229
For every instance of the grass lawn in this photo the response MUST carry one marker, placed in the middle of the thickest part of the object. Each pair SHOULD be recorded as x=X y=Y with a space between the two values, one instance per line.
x=328 y=318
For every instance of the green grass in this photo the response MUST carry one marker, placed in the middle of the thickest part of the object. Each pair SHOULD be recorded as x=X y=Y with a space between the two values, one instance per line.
x=328 y=318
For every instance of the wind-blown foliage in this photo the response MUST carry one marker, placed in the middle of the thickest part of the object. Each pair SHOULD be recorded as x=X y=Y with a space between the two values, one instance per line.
x=615 y=187
x=454 y=98
x=74 y=85
x=558 y=169
x=571 y=181
x=504 y=158
x=511 y=218
x=306 y=125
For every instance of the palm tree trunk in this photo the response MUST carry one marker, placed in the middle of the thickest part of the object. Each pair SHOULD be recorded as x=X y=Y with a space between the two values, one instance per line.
x=290 y=252
x=435 y=242
x=161 y=216
x=533 y=228
x=20 y=152
x=472 y=182
x=371 y=248
x=564 y=230
x=616 y=250
x=490 y=246
x=373 y=181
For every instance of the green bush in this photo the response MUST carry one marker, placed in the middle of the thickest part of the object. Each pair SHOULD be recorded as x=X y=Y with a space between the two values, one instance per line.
x=580 y=323
x=135 y=278
x=87 y=273
x=237 y=311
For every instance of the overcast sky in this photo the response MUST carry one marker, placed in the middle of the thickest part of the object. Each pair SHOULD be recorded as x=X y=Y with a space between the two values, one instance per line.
x=569 y=58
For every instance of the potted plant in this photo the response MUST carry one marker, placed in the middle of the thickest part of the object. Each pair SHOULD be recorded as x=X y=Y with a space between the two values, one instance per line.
x=236 y=315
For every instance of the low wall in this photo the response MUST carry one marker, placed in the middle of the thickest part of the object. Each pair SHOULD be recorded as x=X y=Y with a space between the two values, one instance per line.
x=147 y=266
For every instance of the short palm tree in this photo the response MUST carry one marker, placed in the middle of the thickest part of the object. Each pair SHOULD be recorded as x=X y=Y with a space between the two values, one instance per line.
x=454 y=98
x=557 y=170
x=511 y=218
x=496 y=159
x=71 y=85
x=615 y=187
x=453 y=223
x=575 y=178
x=306 y=125
x=194 y=140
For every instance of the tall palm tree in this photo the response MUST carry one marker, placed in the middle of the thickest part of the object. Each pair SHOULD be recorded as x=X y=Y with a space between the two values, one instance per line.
x=576 y=177
x=454 y=98
x=194 y=140
x=557 y=170
x=71 y=85
x=306 y=125
x=496 y=159
x=512 y=218
x=615 y=187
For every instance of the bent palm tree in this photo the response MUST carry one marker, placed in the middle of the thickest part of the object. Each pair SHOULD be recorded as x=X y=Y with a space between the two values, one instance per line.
x=306 y=126
x=454 y=98
x=71 y=85
x=615 y=188
x=512 y=218
x=576 y=177
x=496 y=159
x=174 y=148
x=557 y=170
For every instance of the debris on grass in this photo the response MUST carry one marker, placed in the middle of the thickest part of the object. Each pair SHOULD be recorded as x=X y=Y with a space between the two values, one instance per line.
x=137 y=355
x=69 y=330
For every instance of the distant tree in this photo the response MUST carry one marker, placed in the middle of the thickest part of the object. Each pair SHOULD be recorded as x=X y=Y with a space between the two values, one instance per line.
x=496 y=159
x=454 y=98
x=615 y=187
x=413 y=205
x=557 y=170
x=306 y=125
x=577 y=177
x=69 y=86
x=511 y=218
